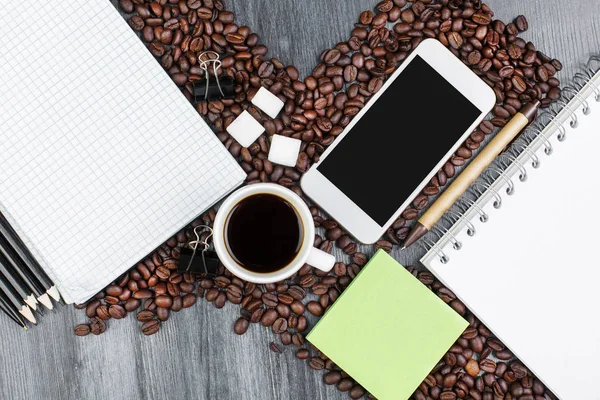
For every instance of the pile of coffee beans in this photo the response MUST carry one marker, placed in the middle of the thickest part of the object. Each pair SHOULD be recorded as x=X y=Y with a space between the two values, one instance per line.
x=317 y=109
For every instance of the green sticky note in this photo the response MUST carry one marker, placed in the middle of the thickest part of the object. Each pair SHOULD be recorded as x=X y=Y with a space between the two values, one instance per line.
x=387 y=330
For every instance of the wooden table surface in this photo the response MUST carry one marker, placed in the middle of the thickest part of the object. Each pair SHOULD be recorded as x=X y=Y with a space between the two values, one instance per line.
x=196 y=355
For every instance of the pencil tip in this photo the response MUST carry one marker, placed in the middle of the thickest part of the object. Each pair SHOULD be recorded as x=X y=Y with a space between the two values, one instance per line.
x=417 y=232
x=45 y=300
x=53 y=291
x=31 y=302
x=26 y=312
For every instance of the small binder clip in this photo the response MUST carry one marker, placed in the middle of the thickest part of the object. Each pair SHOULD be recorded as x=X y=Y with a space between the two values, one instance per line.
x=189 y=262
x=208 y=89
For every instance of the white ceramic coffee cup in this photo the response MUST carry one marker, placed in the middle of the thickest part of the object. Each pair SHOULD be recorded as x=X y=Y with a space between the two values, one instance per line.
x=307 y=254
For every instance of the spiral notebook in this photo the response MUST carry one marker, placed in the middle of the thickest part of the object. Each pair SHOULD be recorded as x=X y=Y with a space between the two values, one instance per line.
x=102 y=158
x=531 y=272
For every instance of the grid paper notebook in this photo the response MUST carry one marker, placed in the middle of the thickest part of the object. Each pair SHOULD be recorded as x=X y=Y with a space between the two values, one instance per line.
x=102 y=158
x=531 y=272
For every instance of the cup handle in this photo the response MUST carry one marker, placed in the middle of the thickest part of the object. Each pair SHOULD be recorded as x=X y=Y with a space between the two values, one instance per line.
x=320 y=259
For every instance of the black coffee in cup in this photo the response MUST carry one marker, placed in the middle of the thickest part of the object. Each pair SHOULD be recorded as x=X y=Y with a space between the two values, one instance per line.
x=263 y=233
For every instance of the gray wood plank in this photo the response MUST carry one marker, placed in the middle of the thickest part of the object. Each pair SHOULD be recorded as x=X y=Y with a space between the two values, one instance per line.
x=196 y=355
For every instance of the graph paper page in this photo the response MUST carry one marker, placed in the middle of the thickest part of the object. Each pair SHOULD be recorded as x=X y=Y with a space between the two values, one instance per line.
x=102 y=158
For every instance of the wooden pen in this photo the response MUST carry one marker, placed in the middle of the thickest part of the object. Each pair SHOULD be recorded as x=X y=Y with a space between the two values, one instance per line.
x=472 y=171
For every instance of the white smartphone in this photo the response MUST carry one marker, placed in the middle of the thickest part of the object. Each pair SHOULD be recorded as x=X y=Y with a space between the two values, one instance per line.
x=398 y=141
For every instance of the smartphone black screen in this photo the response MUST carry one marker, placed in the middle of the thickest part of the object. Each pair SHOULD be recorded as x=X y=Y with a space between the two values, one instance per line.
x=399 y=140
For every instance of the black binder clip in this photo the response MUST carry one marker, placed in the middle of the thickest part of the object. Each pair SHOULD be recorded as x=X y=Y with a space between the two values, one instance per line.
x=189 y=262
x=212 y=89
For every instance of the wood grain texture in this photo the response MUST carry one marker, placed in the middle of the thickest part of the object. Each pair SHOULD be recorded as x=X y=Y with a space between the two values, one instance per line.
x=196 y=355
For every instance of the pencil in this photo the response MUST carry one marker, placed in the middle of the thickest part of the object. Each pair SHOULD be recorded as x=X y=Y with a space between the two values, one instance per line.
x=13 y=238
x=472 y=171
x=19 y=266
x=11 y=312
x=14 y=299
x=17 y=283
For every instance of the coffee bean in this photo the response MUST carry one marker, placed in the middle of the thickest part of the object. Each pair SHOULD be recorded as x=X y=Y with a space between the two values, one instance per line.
x=145 y=316
x=132 y=304
x=164 y=301
x=356 y=392
x=472 y=367
x=307 y=281
x=126 y=6
x=222 y=281
x=332 y=377
x=408 y=16
x=519 y=370
x=162 y=313
x=521 y=23
x=518 y=84
x=136 y=22
x=102 y=312
x=514 y=51
x=116 y=311
x=332 y=56
x=449 y=380
x=150 y=327
x=220 y=300
x=82 y=330
x=97 y=326
x=542 y=74
x=557 y=65
x=481 y=18
x=554 y=93
x=256 y=315
x=275 y=348
x=194 y=4
x=142 y=294
x=177 y=304
x=366 y=17
x=455 y=40
x=286 y=338
x=448 y=396
x=241 y=326
x=114 y=290
x=298 y=339
x=297 y=307
x=488 y=365
x=283 y=310
x=269 y=299
x=234 y=294
x=316 y=363
x=495 y=345
x=269 y=317
x=90 y=310
x=359 y=259
x=189 y=300
x=314 y=308
x=345 y=384
x=185 y=287
x=474 y=57
x=280 y=325
x=302 y=354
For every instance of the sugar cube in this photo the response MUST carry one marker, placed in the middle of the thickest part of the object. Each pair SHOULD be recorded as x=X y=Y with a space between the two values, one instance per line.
x=284 y=150
x=245 y=129
x=267 y=102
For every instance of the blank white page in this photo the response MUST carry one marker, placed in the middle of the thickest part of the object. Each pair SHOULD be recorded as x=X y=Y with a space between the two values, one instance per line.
x=102 y=158
x=531 y=273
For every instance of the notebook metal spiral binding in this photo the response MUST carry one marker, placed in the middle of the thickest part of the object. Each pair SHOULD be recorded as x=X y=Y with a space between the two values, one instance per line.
x=512 y=157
